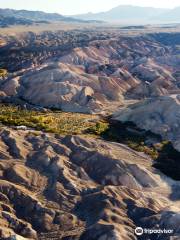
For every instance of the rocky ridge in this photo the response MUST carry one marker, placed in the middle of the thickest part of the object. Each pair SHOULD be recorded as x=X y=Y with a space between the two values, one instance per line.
x=59 y=186
x=86 y=78
x=159 y=115
x=80 y=187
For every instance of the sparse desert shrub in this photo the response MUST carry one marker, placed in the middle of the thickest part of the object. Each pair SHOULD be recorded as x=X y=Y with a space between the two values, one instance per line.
x=99 y=128
x=3 y=72
x=55 y=122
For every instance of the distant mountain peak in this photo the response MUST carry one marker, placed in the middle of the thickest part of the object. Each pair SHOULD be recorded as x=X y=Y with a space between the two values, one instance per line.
x=26 y=17
x=133 y=13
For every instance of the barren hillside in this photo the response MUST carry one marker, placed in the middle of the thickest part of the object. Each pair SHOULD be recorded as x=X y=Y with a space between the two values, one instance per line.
x=89 y=134
x=61 y=187
x=83 y=72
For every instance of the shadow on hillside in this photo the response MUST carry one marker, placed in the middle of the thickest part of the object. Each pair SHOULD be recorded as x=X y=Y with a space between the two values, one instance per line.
x=166 y=158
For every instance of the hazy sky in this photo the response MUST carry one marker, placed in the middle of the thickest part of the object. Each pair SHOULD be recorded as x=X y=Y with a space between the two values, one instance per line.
x=82 y=6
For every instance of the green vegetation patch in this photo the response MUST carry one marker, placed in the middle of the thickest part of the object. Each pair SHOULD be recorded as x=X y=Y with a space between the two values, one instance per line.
x=55 y=122
x=166 y=158
x=99 y=128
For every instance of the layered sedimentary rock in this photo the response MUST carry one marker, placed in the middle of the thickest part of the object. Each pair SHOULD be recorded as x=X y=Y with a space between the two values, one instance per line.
x=87 y=78
x=80 y=188
x=160 y=115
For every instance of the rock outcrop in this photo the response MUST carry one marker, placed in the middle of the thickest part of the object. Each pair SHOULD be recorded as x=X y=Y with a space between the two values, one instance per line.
x=88 y=77
x=160 y=115
x=80 y=188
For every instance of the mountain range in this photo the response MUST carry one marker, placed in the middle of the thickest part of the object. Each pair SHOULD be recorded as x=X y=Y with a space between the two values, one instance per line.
x=127 y=13
x=120 y=14
x=24 y=17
